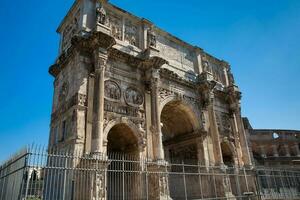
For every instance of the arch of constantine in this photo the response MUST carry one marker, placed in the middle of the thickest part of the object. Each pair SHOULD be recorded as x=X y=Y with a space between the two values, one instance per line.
x=123 y=85
x=139 y=114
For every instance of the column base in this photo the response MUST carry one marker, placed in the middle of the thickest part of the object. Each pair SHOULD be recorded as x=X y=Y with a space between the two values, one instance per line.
x=96 y=178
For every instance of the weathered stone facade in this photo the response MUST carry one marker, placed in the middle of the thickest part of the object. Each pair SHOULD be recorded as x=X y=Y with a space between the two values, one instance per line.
x=273 y=147
x=124 y=85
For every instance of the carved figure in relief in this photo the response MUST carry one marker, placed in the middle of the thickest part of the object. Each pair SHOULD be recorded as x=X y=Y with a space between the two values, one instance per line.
x=231 y=78
x=151 y=38
x=112 y=90
x=133 y=97
x=207 y=67
x=116 y=27
x=101 y=15
x=69 y=31
x=226 y=123
x=63 y=91
x=131 y=34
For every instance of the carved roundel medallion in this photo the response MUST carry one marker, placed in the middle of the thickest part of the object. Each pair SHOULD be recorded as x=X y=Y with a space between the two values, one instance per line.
x=133 y=97
x=112 y=90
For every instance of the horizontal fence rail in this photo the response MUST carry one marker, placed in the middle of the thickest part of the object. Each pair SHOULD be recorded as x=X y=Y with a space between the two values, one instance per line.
x=36 y=174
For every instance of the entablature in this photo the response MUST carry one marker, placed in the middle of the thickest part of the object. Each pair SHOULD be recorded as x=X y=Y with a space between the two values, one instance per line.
x=133 y=35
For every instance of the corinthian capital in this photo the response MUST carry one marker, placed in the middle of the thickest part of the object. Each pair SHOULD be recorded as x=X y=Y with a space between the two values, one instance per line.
x=206 y=90
x=100 y=60
x=233 y=96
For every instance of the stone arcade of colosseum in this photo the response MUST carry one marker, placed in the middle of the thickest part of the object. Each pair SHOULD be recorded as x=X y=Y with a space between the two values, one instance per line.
x=124 y=85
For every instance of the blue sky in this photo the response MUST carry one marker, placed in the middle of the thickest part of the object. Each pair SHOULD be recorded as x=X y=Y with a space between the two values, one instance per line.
x=260 y=38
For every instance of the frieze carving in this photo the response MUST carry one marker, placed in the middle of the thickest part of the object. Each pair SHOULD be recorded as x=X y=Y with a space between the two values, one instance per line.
x=116 y=26
x=76 y=100
x=131 y=33
x=63 y=93
x=224 y=124
x=114 y=107
x=133 y=97
x=112 y=90
x=70 y=31
x=214 y=67
x=164 y=93
x=151 y=38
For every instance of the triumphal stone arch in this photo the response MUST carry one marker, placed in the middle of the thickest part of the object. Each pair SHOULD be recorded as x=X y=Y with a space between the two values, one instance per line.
x=124 y=85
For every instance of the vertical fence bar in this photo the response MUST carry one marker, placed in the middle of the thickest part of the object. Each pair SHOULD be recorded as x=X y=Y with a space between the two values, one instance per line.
x=184 y=181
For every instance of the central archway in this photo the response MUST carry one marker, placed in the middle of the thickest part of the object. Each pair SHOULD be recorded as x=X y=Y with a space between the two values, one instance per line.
x=181 y=138
x=123 y=153
x=178 y=125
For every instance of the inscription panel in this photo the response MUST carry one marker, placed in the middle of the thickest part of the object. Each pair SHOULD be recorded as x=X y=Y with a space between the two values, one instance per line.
x=176 y=54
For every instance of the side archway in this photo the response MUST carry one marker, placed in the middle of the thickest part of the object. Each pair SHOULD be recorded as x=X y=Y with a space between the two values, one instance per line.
x=123 y=130
x=123 y=147
x=228 y=153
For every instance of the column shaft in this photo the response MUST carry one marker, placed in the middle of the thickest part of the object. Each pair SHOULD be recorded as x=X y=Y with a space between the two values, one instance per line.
x=275 y=151
x=287 y=150
x=98 y=104
x=297 y=150
x=214 y=131
x=243 y=138
x=262 y=151
x=156 y=123
x=236 y=138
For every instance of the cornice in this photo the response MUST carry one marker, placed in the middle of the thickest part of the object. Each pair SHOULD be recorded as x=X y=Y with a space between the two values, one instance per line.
x=82 y=44
x=170 y=75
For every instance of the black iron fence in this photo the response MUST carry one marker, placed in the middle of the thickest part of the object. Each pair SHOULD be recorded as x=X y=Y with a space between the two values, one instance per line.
x=36 y=174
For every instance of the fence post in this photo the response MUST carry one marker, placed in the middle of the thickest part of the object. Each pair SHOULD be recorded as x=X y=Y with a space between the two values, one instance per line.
x=27 y=169
x=184 y=181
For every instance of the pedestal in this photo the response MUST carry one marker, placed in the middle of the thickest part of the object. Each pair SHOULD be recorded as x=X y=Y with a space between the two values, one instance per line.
x=158 y=181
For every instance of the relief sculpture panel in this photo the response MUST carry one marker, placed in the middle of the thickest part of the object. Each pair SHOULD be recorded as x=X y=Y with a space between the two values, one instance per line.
x=116 y=26
x=112 y=90
x=133 y=97
x=70 y=30
x=131 y=33
x=224 y=125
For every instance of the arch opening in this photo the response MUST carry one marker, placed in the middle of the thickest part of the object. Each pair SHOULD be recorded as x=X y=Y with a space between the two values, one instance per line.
x=227 y=154
x=123 y=152
x=178 y=126
x=122 y=140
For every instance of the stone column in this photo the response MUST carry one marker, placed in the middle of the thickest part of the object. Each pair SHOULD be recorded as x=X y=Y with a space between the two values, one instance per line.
x=287 y=150
x=215 y=135
x=297 y=150
x=243 y=139
x=155 y=115
x=206 y=88
x=275 y=151
x=226 y=76
x=202 y=151
x=234 y=96
x=262 y=151
x=199 y=59
x=234 y=127
x=98 y=102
